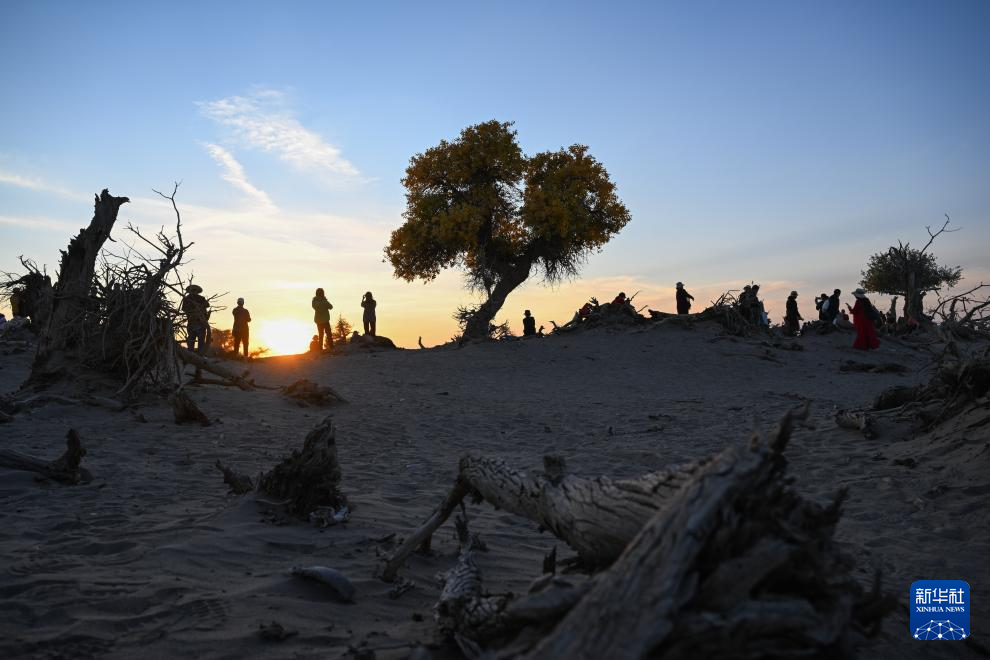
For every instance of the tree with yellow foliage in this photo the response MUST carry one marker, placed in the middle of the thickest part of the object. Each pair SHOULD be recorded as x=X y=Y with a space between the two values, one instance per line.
x=480 y=204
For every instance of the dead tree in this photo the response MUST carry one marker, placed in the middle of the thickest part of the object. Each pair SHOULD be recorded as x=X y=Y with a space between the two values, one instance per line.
x=62 y=336
x=65 y=469
x=734 y=564
x=110 y=313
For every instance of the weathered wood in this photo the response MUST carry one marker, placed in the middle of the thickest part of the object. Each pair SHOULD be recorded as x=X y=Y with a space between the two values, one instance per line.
x=185 y=409
x=308 y=479
x=307 y=392
x=597 y=517
x=65 y=469
x=214 y=367
x=61 y=335
x=872 y=367
x=856 y=420
x=239 y=483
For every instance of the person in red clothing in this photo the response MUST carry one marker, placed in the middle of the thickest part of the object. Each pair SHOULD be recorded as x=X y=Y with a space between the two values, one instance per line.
x=866 y=332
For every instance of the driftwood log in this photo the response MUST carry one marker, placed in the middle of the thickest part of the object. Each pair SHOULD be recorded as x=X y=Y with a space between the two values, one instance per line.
x=735 y=564
x=195 y=359
x=856 y=420
x=308 y=479
x=852 y=366
x=306 y=392
x=597 y=517
x=65 y=469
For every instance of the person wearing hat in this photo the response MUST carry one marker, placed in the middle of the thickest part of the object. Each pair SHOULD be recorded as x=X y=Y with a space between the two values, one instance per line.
x=321 y=316
x=683 y=299
x=241 y=331
x=866 y=332
x=792 y=317
x=196 y=309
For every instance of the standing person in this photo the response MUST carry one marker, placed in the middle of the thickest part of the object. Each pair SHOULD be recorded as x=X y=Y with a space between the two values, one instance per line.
x=833 y=307
x=821 y=304
x=745 y=307
x=197 y=311
x=241 y=332
x=529 y=324
x=369 y=303
x=683 y=299
x=793 y=318
x=321 y=316
x=866 y=332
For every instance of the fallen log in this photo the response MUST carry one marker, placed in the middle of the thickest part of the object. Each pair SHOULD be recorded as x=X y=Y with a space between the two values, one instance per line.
x=597 y=517
x=65 y=469
x=195 y=359
x=309 y=393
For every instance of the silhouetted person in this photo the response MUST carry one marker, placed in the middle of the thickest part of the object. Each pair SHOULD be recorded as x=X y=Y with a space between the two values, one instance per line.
x=619 y=300
x=683 y=299
x=196 y=309
x=369 y=304
x=314 y=345
x=866 y=332
x=792 y=317
x=321 y=316
x=822 y=304
x=833 y=306
x=529 y=324
x=241 y=332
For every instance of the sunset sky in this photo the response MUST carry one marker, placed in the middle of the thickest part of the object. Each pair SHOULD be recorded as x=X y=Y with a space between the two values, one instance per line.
x=777 y=142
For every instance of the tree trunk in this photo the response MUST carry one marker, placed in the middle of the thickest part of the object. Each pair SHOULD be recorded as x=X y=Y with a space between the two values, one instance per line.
x=477 y=325
x=62 y=332
x=597 y=517
x=65 y=469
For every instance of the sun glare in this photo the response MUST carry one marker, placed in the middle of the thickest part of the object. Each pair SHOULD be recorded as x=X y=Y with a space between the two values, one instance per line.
x=282 y=336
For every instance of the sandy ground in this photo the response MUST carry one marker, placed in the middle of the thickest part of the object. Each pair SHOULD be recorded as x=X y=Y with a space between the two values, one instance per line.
x=155 y=558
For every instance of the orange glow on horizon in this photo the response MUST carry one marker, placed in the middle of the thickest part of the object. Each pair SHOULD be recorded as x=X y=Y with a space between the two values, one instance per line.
x=282 y=336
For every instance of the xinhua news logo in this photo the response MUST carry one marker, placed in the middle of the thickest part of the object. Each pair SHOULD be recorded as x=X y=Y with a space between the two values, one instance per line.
x=940 y=610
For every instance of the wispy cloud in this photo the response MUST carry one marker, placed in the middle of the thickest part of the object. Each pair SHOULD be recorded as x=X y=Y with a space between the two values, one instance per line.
x=39 y=222
x=38 y=185
x=262 y=121
x=233 y=173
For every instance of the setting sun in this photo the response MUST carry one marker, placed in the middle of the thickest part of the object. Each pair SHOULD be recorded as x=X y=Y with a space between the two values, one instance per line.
x=282 y=336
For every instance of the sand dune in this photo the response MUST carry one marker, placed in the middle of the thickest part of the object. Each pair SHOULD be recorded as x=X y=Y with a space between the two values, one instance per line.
x=154 y=557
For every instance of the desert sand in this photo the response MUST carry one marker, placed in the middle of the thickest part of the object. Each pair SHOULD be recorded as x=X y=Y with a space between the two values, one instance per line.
x=154 y=558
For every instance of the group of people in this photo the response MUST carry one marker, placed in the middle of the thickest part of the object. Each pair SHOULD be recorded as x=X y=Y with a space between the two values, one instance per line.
x=197 y=311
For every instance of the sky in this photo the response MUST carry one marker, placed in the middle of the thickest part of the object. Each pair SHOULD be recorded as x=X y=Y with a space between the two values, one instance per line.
x=771 y=142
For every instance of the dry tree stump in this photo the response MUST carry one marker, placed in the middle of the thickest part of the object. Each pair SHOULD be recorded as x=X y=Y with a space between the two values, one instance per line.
x=185 y=409
x=309 y=478
x=65 y=469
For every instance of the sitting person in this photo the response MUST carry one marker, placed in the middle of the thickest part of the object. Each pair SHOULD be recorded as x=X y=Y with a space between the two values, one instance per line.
x=529 y=324
x=314 y=345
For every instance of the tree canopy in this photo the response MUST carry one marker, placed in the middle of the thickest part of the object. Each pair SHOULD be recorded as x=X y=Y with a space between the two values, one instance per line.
x=909 y=272
x=480 y=204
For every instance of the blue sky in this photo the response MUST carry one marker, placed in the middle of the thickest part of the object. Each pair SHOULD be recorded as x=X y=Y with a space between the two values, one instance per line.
x=780 y=142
